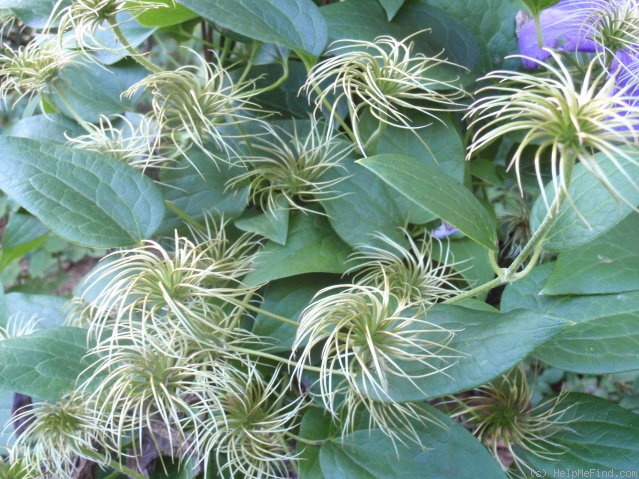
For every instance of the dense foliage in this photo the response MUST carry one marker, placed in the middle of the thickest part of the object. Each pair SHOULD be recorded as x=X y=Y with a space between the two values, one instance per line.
x=319 y=239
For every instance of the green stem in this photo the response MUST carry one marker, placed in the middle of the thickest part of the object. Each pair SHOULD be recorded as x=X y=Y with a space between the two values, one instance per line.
x=530 y=252
x=255 y=309
x=329 y=107
x=183 y=216
x=76 y=116
x=493 y=260
x=279 y=359
x=540 y=35
x=278 y=82
x=307 y=442
x=375 y=136
x=249 y=63
x=137 y=56
x=227 y=48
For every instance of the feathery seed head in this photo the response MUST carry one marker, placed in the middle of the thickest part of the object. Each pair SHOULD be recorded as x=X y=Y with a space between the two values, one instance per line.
x=30 y=69
x=249 y=432
x=367 y=335
x=134 y=144
x=411 y=273
x=84 y=19
x=56 y=436
x=615 y=26
x=386 y=78
x=563 y=121
x=293 y=166
x=143 y=390
x=501 y=413
x=190 y=288
x=198 y=104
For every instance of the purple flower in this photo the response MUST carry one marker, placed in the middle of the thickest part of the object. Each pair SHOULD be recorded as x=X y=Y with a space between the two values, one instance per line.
x=566 y=26
x=625 y=70
x=443 y=231
x=591 y=26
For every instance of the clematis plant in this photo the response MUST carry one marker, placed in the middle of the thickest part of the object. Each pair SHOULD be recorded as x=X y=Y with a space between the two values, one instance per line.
x=319 y=239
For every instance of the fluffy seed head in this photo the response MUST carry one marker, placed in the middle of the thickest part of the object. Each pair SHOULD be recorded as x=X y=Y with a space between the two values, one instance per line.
x=248 y=435
x=199 y=104
x=30 y=69
x=562 y=121
x=386 y=78
x=412 y=273
x=56 y=438
x=187 y=287
x=134 y=144
x=367 y=335
x=501 y=414
x=293 y=166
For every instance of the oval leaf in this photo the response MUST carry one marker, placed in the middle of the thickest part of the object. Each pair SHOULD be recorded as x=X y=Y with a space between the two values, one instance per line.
x=84 y=197
x=592 y=210
x=45 y=364
x=438 y=193
x=601 y=439
x=612 y=258
x=485 y=345
x=295 y=24
x=366 y=20
x=447 y=451
x=312 y=247
x=605 y=336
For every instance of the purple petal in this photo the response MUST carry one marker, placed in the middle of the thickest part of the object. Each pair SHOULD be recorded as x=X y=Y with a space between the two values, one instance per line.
x=625 y=70
x=625 y=67
x=443 y=230
x=564 y=27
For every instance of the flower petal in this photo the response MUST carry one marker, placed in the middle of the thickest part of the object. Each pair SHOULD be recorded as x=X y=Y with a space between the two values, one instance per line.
x=564 y=27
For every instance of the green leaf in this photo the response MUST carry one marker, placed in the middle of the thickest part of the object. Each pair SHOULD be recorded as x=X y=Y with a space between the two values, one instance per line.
x=485 y=345
x=22 y=234
x=613 y=259
x=391 y=7
x=366 y=20
x=312 y=247
x=6 y=404
x=21 y=229
x=438 y=193
x=592 y=211
x=175 y=471
x=198 y=188
x=50 y=127
x=364 y=205
x=316 y=425
x=603 y=345
x=471 y=260
x=35 y=13
x=438 y=144
x=50 y=311
x=44 y=364
x=489 y=23
x=605 y=336
x=447 y=451
x=536 y=6
x=271 y=224
x=600 y=439
x=82 y=196
x=295 y=24
x=90 y=89
x=287 y=297
x=165 y=16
